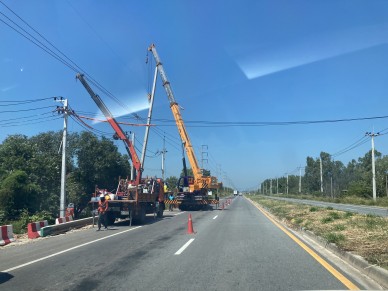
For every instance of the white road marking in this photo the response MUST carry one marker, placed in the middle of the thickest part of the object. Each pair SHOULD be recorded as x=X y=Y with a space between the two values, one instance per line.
x=215 y=217
x=184 y=247
x=68 y=250
x=179 y=213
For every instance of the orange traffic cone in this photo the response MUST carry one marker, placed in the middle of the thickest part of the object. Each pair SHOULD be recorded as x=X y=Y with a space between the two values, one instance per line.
x=190 y=229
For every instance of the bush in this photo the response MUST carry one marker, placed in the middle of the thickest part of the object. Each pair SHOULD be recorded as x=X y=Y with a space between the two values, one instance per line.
x=339 y=227
x=348 y=214
x=335 y=238
x=334 y=215
x=327 y=219
x=20 y=225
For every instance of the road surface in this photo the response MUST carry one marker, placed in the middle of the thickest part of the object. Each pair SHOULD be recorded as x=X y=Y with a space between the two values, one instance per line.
x=237 y=248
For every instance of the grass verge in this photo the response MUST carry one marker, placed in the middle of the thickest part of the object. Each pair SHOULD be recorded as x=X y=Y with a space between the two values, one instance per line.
x=364 y=235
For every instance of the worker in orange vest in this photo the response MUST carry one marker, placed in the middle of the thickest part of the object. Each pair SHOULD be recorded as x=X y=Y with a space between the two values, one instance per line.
x=102 y=212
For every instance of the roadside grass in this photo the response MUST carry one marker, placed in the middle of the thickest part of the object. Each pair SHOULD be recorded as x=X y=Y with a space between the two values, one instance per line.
x=364 y=235
x=381 y=201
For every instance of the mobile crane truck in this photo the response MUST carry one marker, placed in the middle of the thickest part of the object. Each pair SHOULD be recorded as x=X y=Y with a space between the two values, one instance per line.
x=192 y=191
x=133 y=198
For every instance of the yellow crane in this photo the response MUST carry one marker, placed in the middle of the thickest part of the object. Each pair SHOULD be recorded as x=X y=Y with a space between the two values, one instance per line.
x=193 y=190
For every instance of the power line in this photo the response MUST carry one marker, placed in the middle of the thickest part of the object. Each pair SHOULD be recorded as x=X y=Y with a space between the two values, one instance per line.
x=24 y=110
x=207 y=123
x=66 y=60
x=21 y=102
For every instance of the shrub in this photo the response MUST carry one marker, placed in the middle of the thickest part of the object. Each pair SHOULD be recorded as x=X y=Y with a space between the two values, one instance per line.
x=327 y=219
x=339 y=227
x=335 y=238
x=334 y=215
x=348 y=214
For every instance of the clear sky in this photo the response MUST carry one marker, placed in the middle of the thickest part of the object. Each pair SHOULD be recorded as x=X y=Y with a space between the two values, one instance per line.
x=250 y=64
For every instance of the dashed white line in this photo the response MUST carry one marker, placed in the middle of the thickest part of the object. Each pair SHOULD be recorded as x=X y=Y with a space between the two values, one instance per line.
x=184 y=247
x=65 y=251
x=215 y=217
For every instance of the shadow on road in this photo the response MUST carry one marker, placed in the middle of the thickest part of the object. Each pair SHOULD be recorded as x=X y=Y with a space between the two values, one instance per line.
x=4 y=277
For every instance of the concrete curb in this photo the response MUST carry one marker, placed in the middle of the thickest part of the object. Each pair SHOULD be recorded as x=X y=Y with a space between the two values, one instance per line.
x=64 y=227
x=376 y=273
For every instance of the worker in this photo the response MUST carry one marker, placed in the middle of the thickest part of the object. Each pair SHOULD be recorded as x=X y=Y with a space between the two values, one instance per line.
x=102 y=212
x=170 y=198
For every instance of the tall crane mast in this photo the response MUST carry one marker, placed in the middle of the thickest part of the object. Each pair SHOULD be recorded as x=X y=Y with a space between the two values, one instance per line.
x=200 y=182
x=119 y=133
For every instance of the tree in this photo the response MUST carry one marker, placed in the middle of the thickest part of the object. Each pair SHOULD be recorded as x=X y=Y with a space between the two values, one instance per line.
x=97 y=162
x=171 y=183
x=312 y=175
x=18 y=193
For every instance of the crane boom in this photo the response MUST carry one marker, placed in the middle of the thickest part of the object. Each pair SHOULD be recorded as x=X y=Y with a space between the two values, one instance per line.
x=177 y=116
x=200 y=182
x=120 y=134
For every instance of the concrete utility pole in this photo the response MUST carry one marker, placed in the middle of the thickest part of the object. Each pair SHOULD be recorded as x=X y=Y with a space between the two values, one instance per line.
x=277 y=185
x=372 y=135
x=300 y=179
x=270 y=187
x=163 y=155
x=320 y=159
x=151 y=101
x=386 y=183
x=62 y=204
x=287 y=184
x=331 y=186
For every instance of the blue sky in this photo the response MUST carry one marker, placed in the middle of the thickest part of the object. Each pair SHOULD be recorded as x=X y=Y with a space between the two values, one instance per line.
x=227 y=61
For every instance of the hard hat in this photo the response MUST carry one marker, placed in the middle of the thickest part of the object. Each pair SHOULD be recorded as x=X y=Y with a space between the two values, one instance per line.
x=102 y=196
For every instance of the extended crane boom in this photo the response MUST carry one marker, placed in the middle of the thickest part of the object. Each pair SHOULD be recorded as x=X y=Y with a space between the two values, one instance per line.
x=119 y=133
x=200 y=182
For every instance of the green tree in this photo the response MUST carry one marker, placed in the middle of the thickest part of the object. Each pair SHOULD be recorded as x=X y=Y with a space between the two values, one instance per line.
x=171 y=182
x=18 y=193
x=97 y=162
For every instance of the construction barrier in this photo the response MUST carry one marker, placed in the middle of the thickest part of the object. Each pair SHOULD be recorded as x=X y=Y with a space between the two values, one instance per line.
x=63 y=219
x=6 y=235
x=33 y=228
x=63 y=227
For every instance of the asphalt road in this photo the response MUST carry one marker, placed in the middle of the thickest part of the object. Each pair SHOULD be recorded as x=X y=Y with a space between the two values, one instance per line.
x=362 y=209
x=237 y=248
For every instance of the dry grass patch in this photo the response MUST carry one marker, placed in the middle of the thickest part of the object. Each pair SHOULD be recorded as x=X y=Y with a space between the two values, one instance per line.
x=364 y=235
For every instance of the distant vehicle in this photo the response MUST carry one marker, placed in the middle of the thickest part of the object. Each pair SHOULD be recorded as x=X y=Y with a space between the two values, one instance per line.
x=235 y=192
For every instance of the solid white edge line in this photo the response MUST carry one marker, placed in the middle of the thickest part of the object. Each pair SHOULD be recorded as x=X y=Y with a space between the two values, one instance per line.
x=184 y=247
x=68 y=250
x=215 y=217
